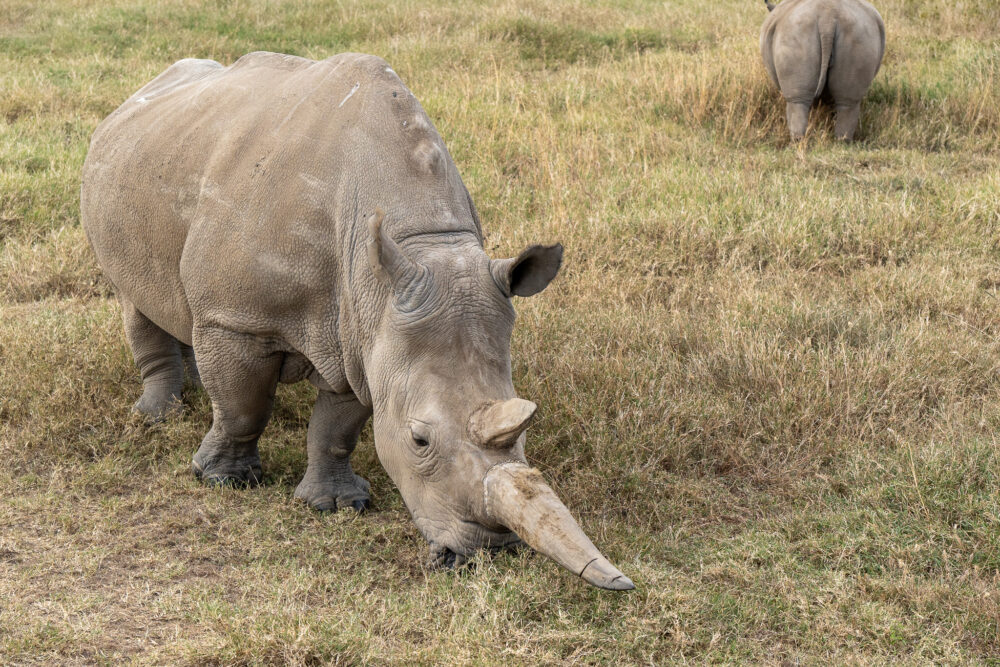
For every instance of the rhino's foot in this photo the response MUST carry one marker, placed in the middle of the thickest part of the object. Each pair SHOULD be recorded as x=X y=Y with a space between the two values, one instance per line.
x=216 y=468
x=157 y=405
x=330 y=495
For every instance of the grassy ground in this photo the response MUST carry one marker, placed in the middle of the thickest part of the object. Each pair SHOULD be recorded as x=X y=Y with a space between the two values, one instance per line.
x=768 y=375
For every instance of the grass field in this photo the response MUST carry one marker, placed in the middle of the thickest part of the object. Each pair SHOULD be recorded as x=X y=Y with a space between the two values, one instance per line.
x=768 y=376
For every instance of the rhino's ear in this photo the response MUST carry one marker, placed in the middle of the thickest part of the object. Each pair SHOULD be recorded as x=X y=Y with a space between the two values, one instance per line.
x=530 y=272
x=388 y=261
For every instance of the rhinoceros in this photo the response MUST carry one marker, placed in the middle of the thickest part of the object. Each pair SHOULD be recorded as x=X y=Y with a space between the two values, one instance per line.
x=822 y=48
x=295 y=220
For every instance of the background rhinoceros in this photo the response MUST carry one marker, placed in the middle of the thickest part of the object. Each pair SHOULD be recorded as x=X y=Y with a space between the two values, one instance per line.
x=830 y=48
x=294 y=220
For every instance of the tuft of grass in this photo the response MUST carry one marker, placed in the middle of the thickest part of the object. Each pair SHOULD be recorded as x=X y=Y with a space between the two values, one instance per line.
x=768 y=375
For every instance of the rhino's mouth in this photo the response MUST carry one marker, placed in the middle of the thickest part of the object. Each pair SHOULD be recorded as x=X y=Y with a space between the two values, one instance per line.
x=481 y=539
x=441 y=557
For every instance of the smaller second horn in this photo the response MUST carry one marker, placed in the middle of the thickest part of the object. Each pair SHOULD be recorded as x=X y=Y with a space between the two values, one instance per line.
x=497 y=425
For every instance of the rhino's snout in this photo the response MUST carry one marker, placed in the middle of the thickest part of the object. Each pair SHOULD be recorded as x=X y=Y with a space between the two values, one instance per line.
x=512 y=503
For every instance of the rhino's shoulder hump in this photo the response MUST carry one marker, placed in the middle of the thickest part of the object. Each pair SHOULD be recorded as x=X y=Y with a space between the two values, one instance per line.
x=360 y=68
x=365 y=62
x=276 y=74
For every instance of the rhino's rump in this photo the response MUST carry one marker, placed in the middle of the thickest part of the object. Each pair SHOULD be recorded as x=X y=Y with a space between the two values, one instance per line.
x=812 y=46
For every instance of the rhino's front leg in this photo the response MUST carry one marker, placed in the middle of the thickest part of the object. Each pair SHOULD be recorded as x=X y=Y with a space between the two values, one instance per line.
x=329 y=482
x=240 y=375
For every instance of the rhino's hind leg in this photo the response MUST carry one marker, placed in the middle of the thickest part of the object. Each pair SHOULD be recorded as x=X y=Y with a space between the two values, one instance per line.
x=240 y=375
x=329 y=482
x=158 y=356
x=847 y=120
x=798 y=119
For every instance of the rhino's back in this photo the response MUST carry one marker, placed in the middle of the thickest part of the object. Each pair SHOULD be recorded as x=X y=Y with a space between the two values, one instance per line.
x=216 y=191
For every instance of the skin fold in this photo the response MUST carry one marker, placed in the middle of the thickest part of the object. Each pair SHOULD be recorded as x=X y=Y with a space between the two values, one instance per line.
x=823 y=48
x=280 y=220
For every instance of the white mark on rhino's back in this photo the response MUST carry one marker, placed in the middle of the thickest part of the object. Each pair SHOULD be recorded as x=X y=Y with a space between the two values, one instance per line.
x=306 y=96
x=353 y=90
x=311 y=180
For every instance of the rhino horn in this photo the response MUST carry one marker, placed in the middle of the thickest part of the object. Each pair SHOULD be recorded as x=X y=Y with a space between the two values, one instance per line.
x=388 y=261
x=498 y=424
x=517 y=497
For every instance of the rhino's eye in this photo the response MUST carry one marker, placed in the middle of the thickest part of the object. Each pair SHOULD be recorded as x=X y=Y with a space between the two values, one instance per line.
x=419 y=435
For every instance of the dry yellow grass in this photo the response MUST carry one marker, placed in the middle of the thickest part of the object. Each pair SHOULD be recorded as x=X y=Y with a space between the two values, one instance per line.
x=768 y=375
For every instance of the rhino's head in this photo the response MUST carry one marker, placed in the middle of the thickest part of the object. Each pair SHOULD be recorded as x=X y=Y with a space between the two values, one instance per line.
x=448 y=426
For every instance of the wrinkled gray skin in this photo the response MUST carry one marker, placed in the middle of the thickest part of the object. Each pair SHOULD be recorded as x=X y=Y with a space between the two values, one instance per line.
x=822 y=48
x=296 y=220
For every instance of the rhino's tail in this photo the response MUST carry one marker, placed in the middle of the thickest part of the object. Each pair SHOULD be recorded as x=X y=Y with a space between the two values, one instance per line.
x=827 y=31
x=770 y=6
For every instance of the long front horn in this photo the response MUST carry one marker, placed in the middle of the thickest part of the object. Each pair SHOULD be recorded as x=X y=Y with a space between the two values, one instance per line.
x=517 y=497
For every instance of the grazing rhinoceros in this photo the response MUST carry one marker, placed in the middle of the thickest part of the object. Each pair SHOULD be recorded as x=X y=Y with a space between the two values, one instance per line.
x=829 y=48
x=299 y=220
